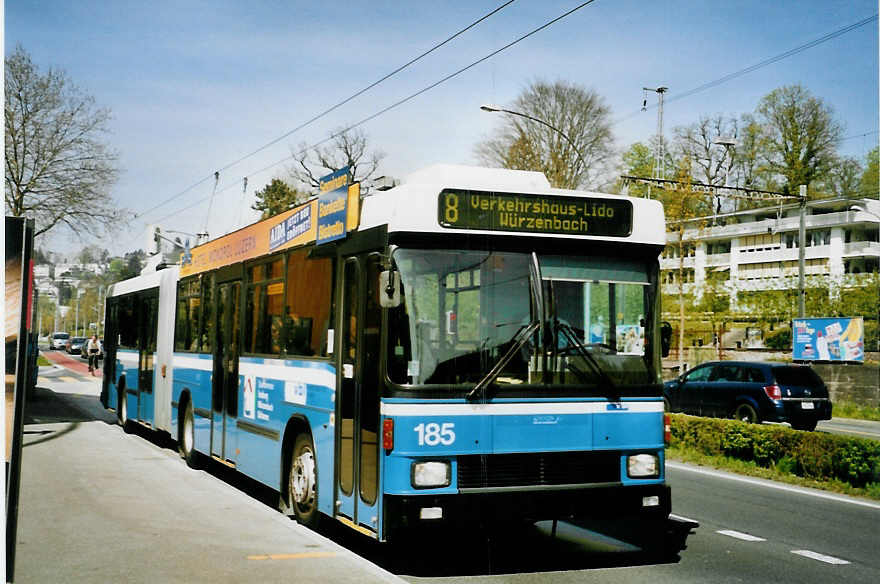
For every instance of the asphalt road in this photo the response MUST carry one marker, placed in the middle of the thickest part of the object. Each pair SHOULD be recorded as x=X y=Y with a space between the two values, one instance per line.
x=102 y=505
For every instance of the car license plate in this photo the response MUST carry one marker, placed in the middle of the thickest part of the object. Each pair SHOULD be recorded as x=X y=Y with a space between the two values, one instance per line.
x=807 y=405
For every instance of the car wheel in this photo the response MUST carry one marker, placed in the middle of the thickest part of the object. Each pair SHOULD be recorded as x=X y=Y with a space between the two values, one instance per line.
x=806 y=425
x=302 y=481
x=746 y=413
x=187 y=439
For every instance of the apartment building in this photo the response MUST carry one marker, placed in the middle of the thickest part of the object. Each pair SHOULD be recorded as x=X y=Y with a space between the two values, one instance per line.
x=757 y=249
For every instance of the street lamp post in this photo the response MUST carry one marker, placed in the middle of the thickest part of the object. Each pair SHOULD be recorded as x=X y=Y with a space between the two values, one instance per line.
x=728 y=143
x=488 y=107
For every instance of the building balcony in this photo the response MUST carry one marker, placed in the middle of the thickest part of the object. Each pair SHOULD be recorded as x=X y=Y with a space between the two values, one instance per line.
x=673 y=263
x=784 y=224
x=861 y=248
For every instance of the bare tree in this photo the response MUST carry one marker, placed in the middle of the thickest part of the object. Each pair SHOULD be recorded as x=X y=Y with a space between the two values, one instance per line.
x=579 y=113
x=698 y=142
x=59 y=170
x=347 y=148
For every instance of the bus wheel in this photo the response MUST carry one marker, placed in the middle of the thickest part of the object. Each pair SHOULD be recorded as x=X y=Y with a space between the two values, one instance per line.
x=122 y=410
x=188 y=438
x=302 y=482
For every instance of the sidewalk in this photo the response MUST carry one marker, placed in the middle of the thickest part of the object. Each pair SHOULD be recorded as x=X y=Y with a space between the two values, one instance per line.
x=73 y=362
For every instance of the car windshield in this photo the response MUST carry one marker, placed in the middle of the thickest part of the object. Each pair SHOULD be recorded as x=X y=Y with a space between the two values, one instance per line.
x=468 y=313
x=61 y=336
x=796 y=376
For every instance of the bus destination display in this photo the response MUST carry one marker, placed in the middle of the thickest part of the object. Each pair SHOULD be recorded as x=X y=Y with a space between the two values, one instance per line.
x=535 y=213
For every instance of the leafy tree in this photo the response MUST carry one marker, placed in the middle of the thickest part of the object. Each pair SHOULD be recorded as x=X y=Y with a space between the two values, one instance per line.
x=682 y=204
x=869 y=185
x=844 y=178
x=58 y=169
x=524 y=144
x=276 y=197
x=347 y=148
x=638 y=160
x=802 y=136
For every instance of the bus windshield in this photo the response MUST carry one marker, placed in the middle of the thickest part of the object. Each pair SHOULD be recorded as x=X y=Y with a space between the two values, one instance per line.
x=465 y=314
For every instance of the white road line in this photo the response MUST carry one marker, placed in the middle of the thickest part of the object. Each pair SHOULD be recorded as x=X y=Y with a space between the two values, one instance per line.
x=772 y=485
x=820 y=557
x=740 y=535
x=681 y=518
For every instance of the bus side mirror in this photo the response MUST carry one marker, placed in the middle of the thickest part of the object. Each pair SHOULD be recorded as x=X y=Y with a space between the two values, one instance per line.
x=665 y=338
x=389 y=289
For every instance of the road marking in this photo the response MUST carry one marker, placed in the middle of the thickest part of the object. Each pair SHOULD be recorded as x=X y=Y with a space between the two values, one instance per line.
x=740 y=535
x=68 y=379
x=772 y=485
x=300 y=556
x=680 y=518
x=820 y=557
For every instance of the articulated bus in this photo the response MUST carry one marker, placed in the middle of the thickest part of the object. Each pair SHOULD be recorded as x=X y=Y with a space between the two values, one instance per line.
x=468 y=345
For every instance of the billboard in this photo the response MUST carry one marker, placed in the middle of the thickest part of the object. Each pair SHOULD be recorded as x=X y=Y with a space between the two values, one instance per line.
x=828 y=339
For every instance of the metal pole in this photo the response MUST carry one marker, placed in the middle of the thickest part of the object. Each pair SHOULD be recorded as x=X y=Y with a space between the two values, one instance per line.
x=802 y=244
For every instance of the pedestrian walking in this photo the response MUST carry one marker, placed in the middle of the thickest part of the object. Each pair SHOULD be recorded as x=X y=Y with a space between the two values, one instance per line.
x=94 y=349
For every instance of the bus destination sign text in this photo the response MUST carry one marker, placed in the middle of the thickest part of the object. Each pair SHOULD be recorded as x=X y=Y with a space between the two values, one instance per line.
x=535 y=213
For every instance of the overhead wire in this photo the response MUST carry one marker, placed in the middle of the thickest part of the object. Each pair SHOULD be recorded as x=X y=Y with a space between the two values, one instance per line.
x=769 y=61
x=404 y=100
x=334 y=107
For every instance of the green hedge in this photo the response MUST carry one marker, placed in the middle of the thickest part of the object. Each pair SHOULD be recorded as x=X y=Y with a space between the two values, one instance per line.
x=813 y=455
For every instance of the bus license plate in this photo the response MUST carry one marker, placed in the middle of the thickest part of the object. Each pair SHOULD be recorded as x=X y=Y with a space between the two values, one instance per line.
x=807 y=405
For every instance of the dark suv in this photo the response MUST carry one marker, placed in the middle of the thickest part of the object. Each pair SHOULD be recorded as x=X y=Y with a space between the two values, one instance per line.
x=752 y=392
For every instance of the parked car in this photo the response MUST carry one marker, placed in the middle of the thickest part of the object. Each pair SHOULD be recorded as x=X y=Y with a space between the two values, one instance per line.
x=75 y=345
x=85 y=354
x=752 y=392
x=59 y=340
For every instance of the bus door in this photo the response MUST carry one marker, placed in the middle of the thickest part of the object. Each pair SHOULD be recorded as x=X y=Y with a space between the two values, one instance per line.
x=224 y=390
x=357 y=483
x=148 y=323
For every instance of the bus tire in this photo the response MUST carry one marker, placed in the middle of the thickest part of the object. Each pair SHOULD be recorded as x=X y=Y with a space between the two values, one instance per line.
x=302 y=481
x=187 y=438
x=122 y=410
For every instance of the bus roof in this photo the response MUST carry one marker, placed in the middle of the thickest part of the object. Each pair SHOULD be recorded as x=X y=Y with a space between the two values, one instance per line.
x=413 y=205
x=477 y=200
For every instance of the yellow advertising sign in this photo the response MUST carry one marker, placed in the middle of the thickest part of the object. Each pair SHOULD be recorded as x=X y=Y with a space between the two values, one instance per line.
x=289 y=229
x=292 y=228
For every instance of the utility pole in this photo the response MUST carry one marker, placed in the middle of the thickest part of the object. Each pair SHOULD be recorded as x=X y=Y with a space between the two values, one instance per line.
x=659 y=158
x=802 y=244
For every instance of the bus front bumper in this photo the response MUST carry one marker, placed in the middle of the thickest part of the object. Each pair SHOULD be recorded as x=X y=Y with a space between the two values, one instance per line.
x=522 y=506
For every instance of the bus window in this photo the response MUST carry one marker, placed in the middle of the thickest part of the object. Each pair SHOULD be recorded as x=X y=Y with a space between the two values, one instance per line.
x=307 y=310
x=264 y=309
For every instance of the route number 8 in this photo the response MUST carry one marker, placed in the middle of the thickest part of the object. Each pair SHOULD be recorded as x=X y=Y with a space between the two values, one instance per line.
x=451 y=212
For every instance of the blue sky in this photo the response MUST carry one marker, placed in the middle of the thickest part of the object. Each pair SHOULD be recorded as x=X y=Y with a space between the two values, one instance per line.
x=194 y=86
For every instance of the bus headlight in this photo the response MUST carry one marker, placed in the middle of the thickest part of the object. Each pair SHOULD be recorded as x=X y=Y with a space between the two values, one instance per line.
x=431 y=474
x=643 y=466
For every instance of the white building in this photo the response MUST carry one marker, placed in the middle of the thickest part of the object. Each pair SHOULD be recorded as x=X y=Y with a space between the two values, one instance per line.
x=758 y=249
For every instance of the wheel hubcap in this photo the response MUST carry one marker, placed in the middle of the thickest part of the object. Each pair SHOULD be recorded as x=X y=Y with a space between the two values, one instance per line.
x=302 y=478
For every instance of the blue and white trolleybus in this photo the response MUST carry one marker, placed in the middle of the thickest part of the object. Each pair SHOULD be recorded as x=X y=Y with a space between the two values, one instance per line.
x=469 y=345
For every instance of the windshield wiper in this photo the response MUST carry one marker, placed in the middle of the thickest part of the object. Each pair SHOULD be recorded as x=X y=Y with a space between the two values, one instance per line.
x=519 y=339
x=522 y=335
x=571 y=337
